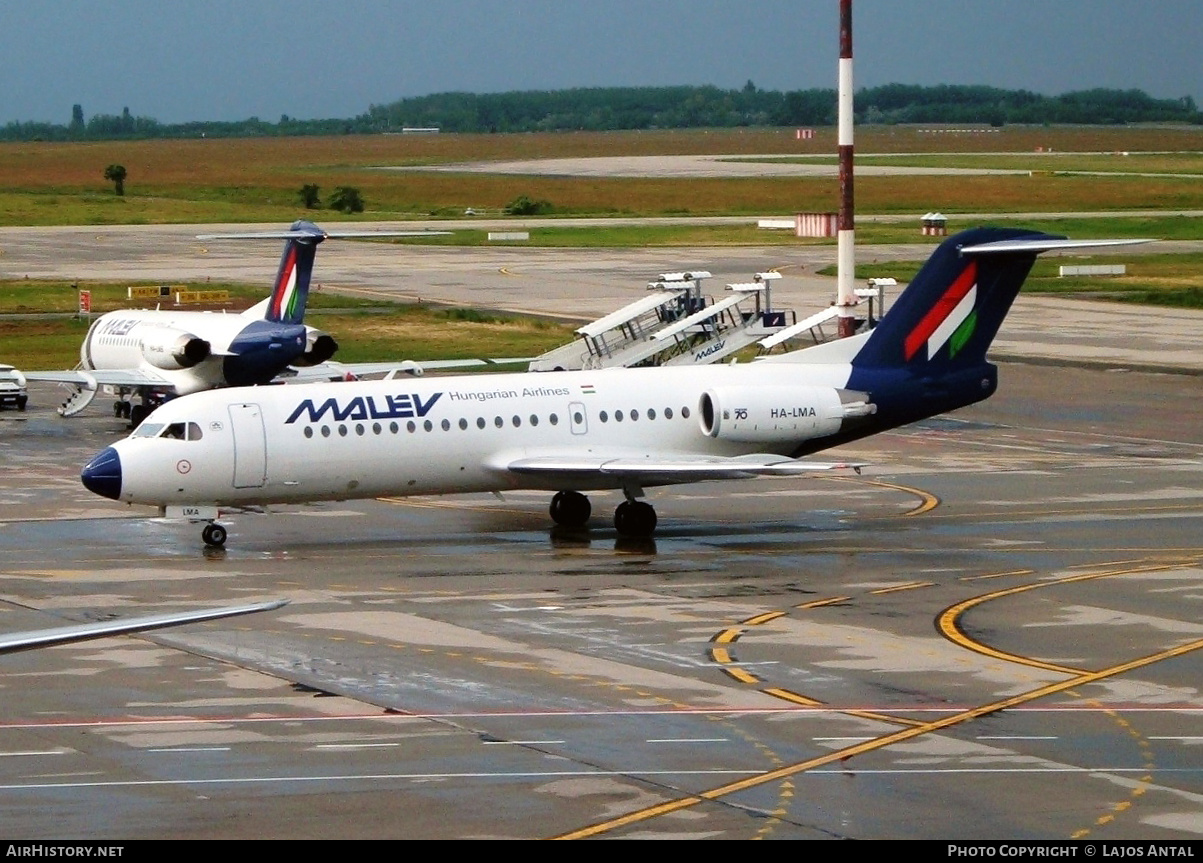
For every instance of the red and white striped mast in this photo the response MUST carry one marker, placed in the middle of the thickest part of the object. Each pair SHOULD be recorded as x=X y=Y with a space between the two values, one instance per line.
x=846 y=256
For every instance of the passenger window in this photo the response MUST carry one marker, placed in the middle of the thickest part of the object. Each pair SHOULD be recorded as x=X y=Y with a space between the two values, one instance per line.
x=634 y=415
x=618 y=416
x=342 y=430
x=498 y=421
x=375 y=428
x=685 y=413
x=517 y=421
x=651 y=413
x=308 y=431
x=553 y=419
x=394 y=428
x=410 y=427
x=446 y=425
x=534 y=420
x=359 y=429
x=668 y=413
x=603 y=416
x=463 y=424
x=325 y=431
x=428 y=425
x=480 y=422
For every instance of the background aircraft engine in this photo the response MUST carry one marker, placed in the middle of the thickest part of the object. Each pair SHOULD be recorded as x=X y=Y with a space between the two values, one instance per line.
x=319 y=347
x=172 y=350
x=778 y=414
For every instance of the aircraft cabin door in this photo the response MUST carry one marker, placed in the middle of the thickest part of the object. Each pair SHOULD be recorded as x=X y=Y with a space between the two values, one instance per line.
x=250 y=445
x=578 y=419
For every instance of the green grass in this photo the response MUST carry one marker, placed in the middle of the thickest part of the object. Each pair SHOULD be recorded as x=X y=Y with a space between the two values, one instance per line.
x=367 y=330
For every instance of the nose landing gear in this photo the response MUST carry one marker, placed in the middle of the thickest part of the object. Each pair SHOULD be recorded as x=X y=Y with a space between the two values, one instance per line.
x=214 y=535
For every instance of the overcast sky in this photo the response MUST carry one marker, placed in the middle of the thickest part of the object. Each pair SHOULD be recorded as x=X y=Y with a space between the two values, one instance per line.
x=180 y=60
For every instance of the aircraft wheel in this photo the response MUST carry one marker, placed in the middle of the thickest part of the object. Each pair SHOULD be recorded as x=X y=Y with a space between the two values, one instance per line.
x=119 y=408
x=214 y=534
x=635 y=518
x=570 y=508
x=137 y=413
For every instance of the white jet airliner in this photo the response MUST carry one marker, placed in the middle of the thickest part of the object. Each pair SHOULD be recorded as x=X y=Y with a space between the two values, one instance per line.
x=573 y=432
x=157 y=354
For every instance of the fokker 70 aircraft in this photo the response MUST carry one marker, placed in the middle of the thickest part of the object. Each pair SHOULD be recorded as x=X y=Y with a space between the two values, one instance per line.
x=576 y=431
x=157 y=354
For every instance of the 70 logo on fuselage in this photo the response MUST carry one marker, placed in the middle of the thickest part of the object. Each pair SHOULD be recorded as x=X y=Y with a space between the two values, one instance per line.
x=366 y=408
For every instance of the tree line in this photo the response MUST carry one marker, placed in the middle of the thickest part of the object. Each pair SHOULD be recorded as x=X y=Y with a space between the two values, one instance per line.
x=630 y=108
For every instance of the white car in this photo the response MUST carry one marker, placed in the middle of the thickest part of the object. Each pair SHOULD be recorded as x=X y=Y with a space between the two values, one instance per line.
x=12 y=388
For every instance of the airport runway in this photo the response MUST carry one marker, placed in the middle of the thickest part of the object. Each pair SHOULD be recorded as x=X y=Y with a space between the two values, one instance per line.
x=994 y=632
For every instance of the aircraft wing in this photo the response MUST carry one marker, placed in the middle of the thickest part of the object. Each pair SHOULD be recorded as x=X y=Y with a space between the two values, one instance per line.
x=673 y=467
x=84 y=631
x=334 y=371
x=104 y=377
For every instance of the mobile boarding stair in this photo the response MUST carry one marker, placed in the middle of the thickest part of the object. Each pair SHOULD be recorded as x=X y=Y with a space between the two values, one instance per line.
x=620 y=335
x=675 y=324
x=724 y=327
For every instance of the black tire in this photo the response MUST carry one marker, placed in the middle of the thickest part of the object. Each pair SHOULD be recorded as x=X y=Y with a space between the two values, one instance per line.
x=570 y=509
x=635 y=518
x=214 y=535
x=21 y=401
x=137 y=413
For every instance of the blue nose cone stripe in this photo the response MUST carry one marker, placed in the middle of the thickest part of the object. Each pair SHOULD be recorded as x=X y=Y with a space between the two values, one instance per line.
x=102 y=475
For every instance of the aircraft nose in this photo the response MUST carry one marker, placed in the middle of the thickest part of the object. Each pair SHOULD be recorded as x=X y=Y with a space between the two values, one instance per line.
x=102 y=475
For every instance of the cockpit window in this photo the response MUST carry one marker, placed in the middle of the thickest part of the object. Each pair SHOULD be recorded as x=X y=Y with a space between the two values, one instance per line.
x=182 y=431
x=147 y=430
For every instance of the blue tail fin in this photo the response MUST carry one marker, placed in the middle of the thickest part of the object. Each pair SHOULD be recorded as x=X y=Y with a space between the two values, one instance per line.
x=291 y=289
x=949 y=314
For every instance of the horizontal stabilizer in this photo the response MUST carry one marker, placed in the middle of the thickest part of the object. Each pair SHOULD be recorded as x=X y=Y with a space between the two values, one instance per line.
x=304 y=234
x=330 y=371
x=1040 y=244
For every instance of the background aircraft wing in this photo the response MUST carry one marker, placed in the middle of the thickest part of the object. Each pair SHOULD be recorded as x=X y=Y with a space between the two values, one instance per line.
x=105 y=377
x=84 y=631
x=334 y=371
x=672 y=467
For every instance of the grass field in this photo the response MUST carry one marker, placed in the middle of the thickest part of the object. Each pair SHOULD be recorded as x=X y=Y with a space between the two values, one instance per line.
x=256 y=180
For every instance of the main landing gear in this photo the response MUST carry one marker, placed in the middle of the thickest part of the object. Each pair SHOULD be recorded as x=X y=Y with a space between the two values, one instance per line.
x=632 y=518
x=125 y=409
x=214 y=535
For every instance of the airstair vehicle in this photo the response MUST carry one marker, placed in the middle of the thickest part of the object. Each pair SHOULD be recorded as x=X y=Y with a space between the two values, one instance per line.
x=674 y=324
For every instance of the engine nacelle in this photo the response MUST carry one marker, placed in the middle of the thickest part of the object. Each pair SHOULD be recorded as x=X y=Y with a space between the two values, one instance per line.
x=778 y=414
x=319 y=347
x=172 y=350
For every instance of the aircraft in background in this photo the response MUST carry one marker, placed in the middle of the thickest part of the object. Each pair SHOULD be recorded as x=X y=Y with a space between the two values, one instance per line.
x=576 y=431
x=159 y=354
x=29 y=640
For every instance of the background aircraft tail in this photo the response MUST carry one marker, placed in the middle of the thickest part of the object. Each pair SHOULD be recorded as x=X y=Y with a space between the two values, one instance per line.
x=291 y=289
x=949 y=314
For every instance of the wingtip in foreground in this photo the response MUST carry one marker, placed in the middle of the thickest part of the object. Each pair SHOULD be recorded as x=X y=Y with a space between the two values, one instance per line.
x=18 y=641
